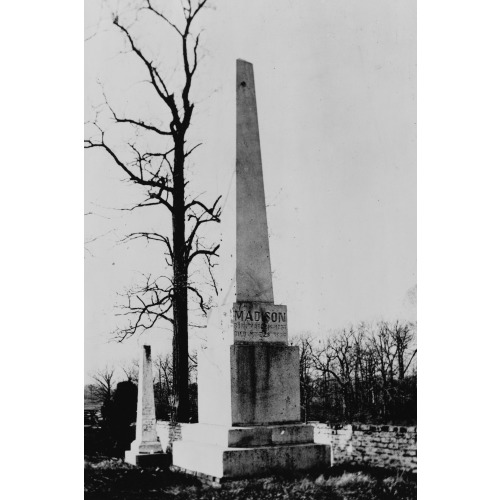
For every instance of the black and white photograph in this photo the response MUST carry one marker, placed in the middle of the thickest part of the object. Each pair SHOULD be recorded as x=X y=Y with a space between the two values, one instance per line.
x=250 y=249
x=217 y=219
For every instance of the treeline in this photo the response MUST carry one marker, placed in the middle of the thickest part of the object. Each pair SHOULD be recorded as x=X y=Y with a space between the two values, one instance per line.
x=363 y=374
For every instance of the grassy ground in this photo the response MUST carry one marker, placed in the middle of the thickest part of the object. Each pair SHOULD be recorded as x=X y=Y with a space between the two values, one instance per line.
x=112 y=479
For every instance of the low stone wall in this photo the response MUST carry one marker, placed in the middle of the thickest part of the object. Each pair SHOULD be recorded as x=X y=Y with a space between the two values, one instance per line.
x=374 y=445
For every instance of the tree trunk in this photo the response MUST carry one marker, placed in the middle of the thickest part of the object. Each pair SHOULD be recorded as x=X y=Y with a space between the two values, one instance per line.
x=180 y=344
x=401 y=365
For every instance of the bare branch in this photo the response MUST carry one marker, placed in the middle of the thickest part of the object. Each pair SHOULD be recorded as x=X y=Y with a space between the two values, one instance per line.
x=137 y=123
x=192 y=149
x=159 y=14
x=208 y=210
x=213 y=251
x=203 y=306
x=156 y=80
x=159 y=183
x=151 y=237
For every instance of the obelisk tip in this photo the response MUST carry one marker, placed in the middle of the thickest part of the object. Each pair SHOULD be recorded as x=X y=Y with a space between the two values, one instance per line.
x=243 y=62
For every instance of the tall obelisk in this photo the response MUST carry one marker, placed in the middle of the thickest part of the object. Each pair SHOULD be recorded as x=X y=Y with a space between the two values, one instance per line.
x=253 y=261
x=248 y=377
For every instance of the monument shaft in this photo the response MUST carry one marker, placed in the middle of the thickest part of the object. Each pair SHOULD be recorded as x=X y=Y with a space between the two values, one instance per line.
x=253 y=261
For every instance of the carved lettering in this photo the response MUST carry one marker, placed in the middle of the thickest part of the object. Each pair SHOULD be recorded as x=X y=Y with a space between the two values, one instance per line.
x=259 y=322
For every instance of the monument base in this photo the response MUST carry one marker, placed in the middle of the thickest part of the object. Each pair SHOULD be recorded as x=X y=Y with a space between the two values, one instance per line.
x=218 y=452
x=148 y=454
x=162 y=460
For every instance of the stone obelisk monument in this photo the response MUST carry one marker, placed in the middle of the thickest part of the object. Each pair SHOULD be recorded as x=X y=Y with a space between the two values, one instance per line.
x=146 y=450
x=248 y=377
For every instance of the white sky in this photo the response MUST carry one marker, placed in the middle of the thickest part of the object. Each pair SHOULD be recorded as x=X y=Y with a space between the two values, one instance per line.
x=336 y=95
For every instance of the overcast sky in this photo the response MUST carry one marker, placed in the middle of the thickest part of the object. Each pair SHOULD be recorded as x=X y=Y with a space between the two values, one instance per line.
x=336 y=97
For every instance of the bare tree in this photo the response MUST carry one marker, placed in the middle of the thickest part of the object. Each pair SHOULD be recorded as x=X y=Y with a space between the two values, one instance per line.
x=305 y=344
x=163 y=388
x=403 y=336
x=163 y=374
x=392 y=346
x=104 y=384
x=132 y=371
x=385 y=353
x=161 y=173
x=335 y=361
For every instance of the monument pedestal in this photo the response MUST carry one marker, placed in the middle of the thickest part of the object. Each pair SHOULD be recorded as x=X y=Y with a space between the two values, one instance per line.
x=249 y=384
x=219 y=452
x=249 y=403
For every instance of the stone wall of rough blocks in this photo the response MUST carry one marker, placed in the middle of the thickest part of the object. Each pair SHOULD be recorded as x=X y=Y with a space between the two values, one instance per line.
x=373 y=445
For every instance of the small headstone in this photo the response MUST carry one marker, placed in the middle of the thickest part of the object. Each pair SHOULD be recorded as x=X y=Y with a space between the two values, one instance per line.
x=146 y=439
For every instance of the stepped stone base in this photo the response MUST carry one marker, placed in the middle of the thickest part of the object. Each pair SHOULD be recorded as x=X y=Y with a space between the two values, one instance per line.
x=236 y=452
x=148 y=460
x=149 y=454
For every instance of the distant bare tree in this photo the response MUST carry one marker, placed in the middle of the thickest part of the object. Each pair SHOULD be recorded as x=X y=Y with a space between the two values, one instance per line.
x=403 y=336
x=385 y=353
x=335 y=360
x=306 y=367
x=163 y=393
x=104 y=384
x=164 y=381
x=132 y=371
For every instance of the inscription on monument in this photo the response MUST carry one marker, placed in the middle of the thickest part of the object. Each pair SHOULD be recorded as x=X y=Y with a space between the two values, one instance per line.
x=259 y=322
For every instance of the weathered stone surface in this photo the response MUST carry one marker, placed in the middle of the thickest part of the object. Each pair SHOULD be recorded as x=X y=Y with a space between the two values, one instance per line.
x=244 y=437
x=259 y=322
x=253 y=261
x=379 y=448
x=247 y=462
x=265 y=384
x=146 y=440
x=249 y=384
